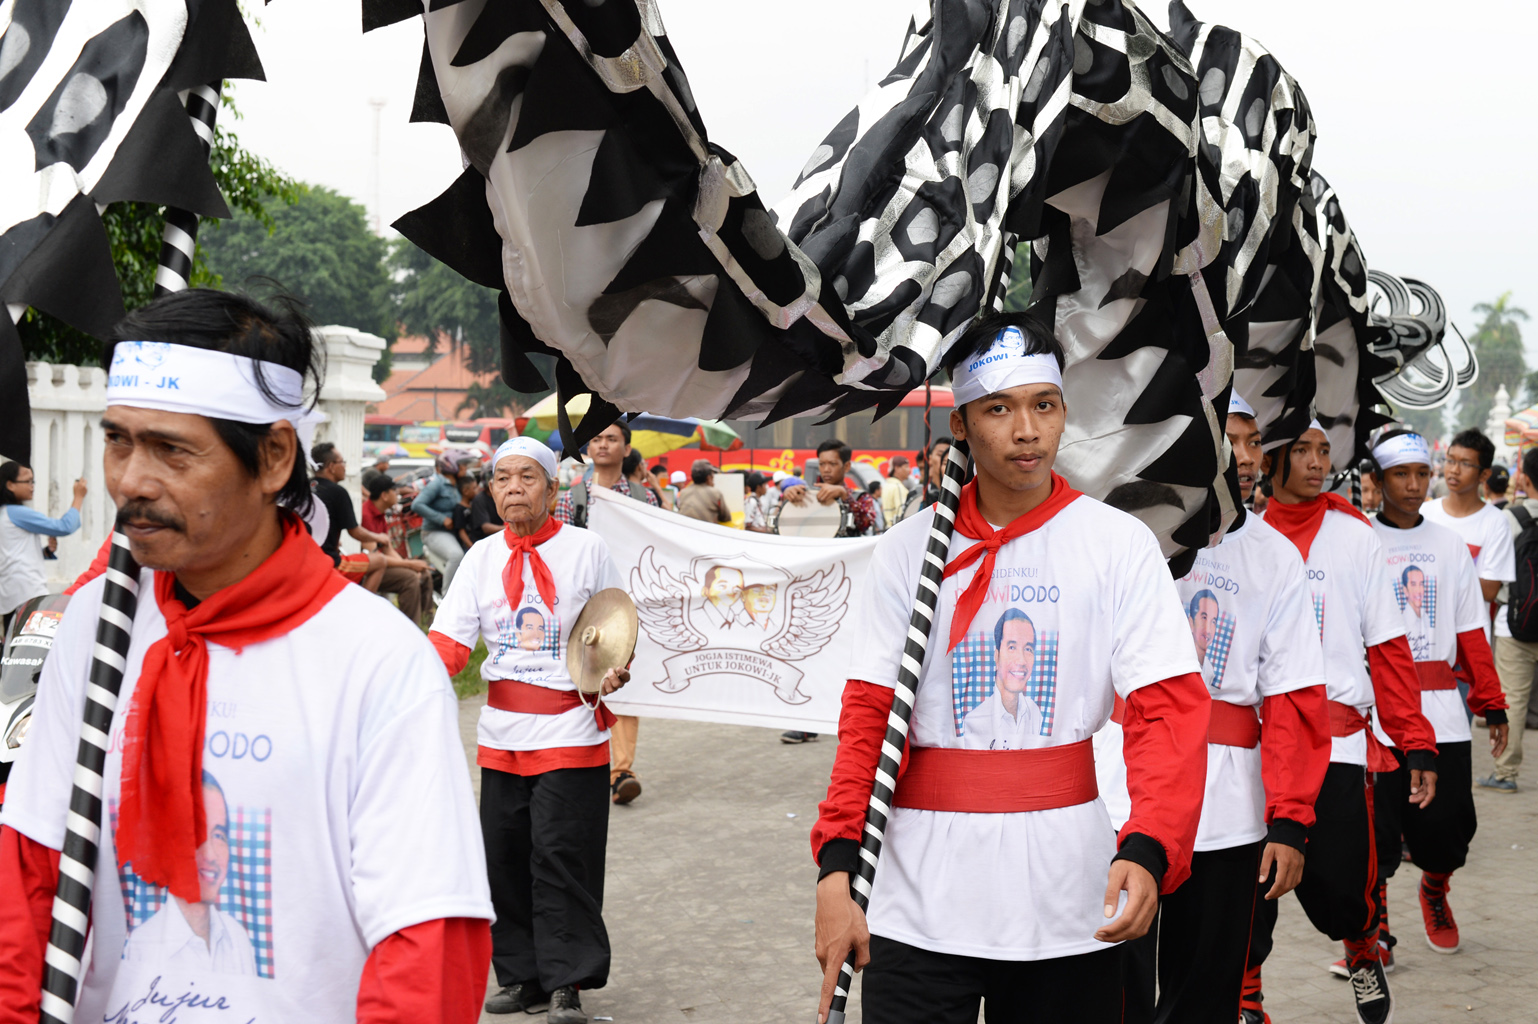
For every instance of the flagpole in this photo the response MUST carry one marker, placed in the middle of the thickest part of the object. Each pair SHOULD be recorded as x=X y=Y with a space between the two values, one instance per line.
x=63 y=962
x=920 y=625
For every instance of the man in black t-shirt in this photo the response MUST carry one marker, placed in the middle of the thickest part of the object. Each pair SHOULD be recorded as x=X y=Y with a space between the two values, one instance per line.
x=484 y=520
x=361 y=568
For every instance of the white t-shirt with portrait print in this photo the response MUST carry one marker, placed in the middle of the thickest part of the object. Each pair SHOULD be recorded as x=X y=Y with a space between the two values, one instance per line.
x=1252 y=623
x=335 y=752
x=1431 y=579
x=1488 y=536
x=1353 y=610
x=528 y=643
x=1087 y=600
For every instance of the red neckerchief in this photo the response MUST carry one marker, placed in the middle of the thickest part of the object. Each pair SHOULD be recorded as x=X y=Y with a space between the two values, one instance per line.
x=970 y=523
x=162 y=821
x=521 y=547
x=1300 y=523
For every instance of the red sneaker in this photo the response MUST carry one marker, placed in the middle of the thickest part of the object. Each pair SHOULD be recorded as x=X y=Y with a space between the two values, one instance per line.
x=1441 y=929
x=1250 y=1010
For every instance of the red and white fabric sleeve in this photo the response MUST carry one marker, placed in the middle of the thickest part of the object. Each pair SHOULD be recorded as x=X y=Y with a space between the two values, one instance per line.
x=1294 y=756
x=1164 y=745
x=1486 y=698
x=29 y=876
x=429 y=973
x=1396 y=690
x=841 y=817
x=455 y=655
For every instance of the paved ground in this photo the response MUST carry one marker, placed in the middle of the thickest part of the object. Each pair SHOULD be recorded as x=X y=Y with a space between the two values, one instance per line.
x=710 y=898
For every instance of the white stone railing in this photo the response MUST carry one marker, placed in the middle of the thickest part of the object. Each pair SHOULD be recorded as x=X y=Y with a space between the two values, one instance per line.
x=68 y=402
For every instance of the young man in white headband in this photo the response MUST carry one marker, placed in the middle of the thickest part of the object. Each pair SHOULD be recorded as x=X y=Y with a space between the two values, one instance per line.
x=1433 y=580
x=251 y=662
x=1369 y=677
x=542 y=749
x=1000 y=874
x=1268 y=746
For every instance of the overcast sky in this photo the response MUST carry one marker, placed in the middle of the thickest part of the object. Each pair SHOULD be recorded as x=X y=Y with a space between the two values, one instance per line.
x=1427 y=127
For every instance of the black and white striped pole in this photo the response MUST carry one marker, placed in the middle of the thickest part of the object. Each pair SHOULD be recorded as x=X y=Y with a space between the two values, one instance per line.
x=63 y=962
x=920 y=626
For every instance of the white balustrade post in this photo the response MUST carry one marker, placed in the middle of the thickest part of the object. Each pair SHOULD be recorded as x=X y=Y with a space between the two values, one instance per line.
x=348 y=389
x=67 y=406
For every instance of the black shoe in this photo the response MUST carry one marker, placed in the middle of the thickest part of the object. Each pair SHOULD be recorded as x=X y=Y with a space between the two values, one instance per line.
x=1369 y=987
x=526 y=996
x=625 y=788
x=798 y=737
x=566 y=1007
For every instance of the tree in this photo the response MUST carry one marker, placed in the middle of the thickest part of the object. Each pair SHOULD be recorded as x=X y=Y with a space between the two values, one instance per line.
x=1498 y=346
x=249 y=184
x=1430 y=423
x=319 y=250
x=493 y=399
x=434 y=300
x=1018 y=295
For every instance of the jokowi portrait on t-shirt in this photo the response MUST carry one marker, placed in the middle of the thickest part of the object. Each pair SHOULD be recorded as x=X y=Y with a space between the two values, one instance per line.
x=1416 y=594
x=1009 y=718
x=199 y=935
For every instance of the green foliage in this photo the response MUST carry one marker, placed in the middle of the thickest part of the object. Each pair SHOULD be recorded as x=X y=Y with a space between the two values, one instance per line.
x=468 y=681
x=434 y=300
x=494 y=399
x=1430 y=422
x=1498 y=346
x=249 y=184
x=318 y=250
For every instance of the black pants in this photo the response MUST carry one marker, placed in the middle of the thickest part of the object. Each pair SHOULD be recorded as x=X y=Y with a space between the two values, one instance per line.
x=1197 y=944
x=545 y=843
x=906 y=984
x=1439 y=834
x=1340 y=872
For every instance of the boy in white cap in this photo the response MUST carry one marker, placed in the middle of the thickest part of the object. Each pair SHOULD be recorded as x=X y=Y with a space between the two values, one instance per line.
x=543 y=751
x=1369 y=676
x=1000 y=874
x=1268 y=746
x=1434 y=582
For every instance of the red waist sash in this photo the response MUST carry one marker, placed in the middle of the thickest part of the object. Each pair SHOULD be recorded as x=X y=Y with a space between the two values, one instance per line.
x=528 y=699
x=1435 y=675
x=1346 y=720
x=998 y=781
x=1231 y=725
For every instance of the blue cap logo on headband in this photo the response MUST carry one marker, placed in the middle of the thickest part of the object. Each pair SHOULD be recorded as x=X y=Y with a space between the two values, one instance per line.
x=145 y=353
x=1010 y=344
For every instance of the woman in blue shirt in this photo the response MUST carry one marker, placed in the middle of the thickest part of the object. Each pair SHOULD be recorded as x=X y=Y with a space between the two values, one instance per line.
x=21 y=551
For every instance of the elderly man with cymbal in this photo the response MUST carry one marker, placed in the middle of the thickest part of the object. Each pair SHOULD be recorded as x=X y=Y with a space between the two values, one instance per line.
x=543 y=750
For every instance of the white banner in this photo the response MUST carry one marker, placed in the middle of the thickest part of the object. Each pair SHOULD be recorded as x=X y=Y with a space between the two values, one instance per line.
x=736 y=627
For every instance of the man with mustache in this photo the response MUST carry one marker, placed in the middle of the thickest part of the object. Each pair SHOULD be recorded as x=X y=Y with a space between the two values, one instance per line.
x=1268 y=745
x=243 y=629
x=999 y=874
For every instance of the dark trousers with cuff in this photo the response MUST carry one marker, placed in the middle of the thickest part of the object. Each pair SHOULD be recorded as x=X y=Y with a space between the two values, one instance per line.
x=907 y=985
x=1340 y=871
x=546 y=837
x=1197 y=945
x=1438 y=835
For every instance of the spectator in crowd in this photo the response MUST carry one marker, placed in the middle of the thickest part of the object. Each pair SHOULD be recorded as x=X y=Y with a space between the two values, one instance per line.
x=607 y=453
x=934 y=458
x=365 y=567
x=21 y=549
x=410 y=579
x=634 y=470
x=874 y=489
x=469 y=487
x=435 y=504
x=677 y=483
x=666 y=492
x=755 y=512
x=1496 y=486
x=376 y=469
x=1372 y=497
x=700 y=500
x=893 y=498
x=484 y=520
x=1515 y=660
x=834 y=484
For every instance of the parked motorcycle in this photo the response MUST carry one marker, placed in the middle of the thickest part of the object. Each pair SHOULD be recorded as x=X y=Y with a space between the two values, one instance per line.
x=31 y=636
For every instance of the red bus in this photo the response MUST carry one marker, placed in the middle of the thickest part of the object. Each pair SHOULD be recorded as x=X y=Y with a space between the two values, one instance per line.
x=792 y=443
